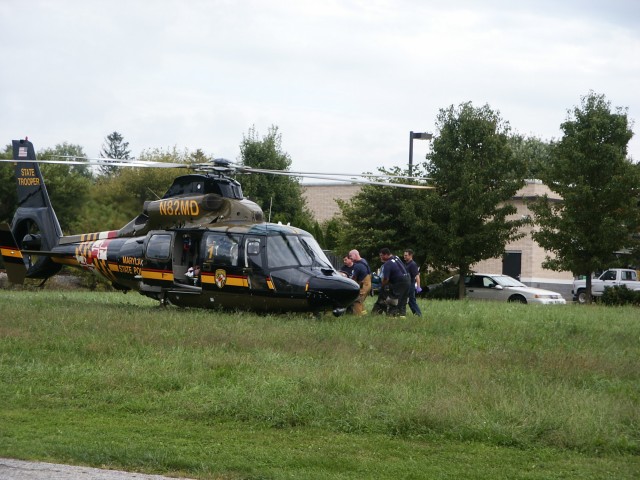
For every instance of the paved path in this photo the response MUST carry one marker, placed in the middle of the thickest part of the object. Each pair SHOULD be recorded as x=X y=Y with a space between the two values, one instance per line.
x=21 y=470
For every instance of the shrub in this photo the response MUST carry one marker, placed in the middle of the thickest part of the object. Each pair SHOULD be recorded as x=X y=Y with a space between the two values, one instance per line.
x=620 y=295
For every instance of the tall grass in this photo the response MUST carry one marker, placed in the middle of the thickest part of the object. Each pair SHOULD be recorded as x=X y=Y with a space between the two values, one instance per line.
x=521 y=377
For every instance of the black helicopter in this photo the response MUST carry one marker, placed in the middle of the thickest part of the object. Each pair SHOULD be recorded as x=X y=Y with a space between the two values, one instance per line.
x=201 y=245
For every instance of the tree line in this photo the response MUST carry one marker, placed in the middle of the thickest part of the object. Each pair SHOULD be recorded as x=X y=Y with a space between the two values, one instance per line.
x=476 y=164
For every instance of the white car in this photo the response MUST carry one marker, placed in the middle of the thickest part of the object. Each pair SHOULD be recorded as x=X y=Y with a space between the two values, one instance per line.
x=487 y=286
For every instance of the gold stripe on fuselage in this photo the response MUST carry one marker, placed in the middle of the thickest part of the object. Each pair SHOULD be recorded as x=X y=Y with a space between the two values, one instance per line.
x=157 y=275
x=231 y=280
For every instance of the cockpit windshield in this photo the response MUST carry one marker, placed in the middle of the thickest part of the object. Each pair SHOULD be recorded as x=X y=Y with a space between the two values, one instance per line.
x=320 y=259
x=295 y=251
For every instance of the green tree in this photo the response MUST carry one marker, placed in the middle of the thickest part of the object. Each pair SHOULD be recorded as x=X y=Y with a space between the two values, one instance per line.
x=476 y=174
x=8 y=197
x=199 y=157
x=380 y=216
x=117 y=199
x=599 y=187
x=532 y=152
x=68 y=185
x=114 y=147
x=331 y=230
x=62 y=151
x=279 y=196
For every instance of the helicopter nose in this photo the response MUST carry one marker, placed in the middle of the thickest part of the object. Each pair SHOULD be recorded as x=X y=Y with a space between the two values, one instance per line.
x=332 y=291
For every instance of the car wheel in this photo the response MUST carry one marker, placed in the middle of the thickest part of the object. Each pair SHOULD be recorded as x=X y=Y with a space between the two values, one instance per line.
x=517 y=299
x=582 y=296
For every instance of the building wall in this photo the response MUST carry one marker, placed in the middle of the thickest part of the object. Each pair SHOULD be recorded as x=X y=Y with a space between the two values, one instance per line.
x=321 y=200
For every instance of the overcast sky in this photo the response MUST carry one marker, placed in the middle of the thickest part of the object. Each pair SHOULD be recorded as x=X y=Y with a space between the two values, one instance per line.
x=345 y=81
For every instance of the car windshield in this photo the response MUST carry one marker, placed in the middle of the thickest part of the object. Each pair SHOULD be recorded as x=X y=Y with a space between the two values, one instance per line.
x=507 y=281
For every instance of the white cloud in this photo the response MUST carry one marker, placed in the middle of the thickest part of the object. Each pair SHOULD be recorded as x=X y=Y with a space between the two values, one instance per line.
x=345 y=81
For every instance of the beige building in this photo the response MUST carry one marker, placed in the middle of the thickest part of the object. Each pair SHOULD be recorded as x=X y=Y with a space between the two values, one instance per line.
x=321 y=198
x=522 y=259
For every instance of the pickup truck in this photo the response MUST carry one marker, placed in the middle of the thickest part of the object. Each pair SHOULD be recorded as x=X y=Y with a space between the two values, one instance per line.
x=610 y=278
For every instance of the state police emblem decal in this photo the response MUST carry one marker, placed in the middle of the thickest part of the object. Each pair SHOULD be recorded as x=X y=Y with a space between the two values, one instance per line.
x=221 y=278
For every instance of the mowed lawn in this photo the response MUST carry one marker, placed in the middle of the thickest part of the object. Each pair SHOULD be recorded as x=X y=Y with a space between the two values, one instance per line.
x=471 y=390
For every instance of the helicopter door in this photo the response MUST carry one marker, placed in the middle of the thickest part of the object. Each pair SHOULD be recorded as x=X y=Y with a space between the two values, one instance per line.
x=186 y=258
x=221 y=266
x=255 y=262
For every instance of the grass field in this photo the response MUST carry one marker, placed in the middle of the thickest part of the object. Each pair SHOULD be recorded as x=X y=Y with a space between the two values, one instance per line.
x=471 y=390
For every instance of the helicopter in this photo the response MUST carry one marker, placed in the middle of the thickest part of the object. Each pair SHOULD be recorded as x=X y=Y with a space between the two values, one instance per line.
x=203 y=244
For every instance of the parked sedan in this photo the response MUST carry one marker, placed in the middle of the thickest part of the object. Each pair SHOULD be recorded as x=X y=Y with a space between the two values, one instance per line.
x=488 y=286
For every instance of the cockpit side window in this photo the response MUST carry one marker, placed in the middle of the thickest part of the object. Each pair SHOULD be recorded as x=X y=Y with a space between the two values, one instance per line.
x=159 y=247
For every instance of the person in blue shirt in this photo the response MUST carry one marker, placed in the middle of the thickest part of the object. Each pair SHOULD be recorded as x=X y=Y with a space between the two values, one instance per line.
x=414 y=287
x=395 y=282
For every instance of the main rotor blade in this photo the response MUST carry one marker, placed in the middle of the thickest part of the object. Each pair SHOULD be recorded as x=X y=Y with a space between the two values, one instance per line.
x=57 y=162
x=333 y=178
x=206 y=167
x=366 y=175
x=125 y=162
x=371 y=182
x=248 y=169
x=104 y=162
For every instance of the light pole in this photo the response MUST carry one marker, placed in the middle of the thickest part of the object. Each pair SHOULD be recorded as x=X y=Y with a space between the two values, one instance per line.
x=412 y=135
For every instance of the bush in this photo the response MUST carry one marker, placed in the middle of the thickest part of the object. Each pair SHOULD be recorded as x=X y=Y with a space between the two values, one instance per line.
x=441 y=291
x=620 y=295
x=447 y=290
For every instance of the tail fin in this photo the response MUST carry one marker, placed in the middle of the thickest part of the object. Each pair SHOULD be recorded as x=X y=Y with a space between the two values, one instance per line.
x=34 y=223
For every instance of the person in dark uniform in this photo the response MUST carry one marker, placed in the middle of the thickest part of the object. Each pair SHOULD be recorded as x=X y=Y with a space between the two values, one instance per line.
x=347 y=268
x=395 y=283
x=347 y=271
x=414 y=274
